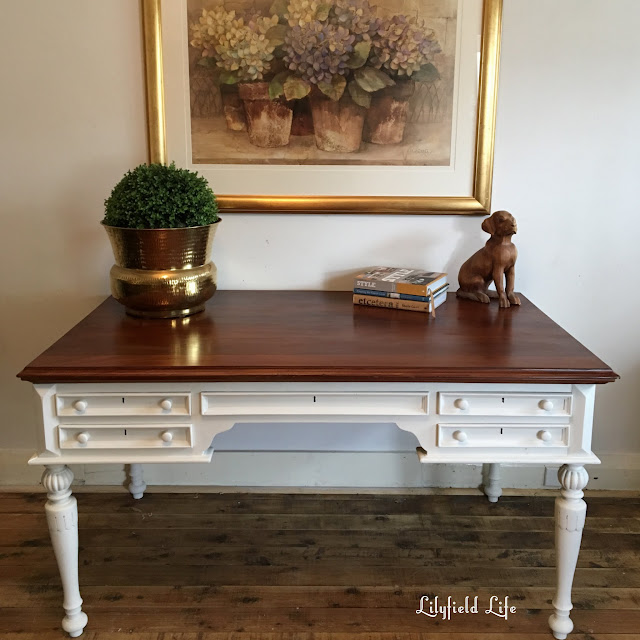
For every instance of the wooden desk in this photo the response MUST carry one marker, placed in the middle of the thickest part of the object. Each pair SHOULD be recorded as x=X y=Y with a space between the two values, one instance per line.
x=477 y=384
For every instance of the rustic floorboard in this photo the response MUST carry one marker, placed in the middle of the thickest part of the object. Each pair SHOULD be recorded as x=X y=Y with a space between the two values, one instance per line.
x=208 y=566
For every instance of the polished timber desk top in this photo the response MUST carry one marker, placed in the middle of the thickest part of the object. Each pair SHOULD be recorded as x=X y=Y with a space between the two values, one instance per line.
x=314 y=336
x=476 y=384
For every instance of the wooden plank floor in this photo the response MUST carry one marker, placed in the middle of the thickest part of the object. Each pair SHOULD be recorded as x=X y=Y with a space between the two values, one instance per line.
x=316 y=567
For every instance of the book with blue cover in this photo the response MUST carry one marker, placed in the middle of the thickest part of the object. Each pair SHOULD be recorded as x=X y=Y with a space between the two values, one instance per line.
x=399 y=296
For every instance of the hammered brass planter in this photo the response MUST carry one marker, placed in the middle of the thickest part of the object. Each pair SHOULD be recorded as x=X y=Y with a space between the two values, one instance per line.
x=162 y=273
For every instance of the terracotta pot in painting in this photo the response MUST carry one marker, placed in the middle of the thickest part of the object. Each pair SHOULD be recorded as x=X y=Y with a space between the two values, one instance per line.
x=302 y=124
x=268 y=121
x=387 y=116
x=233 y=108
x=337 y=124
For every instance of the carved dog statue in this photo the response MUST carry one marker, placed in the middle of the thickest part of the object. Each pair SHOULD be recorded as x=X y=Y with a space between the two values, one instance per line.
x=493 y=262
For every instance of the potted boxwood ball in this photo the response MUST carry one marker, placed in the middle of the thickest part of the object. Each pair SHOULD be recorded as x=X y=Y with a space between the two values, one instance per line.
x=161 y=221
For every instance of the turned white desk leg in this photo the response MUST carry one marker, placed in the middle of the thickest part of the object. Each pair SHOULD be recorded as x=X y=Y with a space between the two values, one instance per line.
x=571 y=511
x=62 y=517
x=137 y=485
x=493 y=486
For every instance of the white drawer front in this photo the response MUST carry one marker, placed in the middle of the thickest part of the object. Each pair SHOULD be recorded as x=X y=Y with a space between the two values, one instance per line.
x=123 y=404
x=375 y=404
x=502 y=435
x=505 y=404
x=148 y=436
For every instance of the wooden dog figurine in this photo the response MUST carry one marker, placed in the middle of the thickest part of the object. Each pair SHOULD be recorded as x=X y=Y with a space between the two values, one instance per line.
x=493 y=262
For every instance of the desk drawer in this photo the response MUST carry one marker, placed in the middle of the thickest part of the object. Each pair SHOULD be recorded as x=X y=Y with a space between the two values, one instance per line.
x=502 y=435
x=375 y=404
x=123 y=404
x=111 y=436
x=504 y=404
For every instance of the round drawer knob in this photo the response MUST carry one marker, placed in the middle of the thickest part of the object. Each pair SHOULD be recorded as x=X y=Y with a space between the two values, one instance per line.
x=166 y=404
x=80 y=406
x=461 y=404
x=545 y=405
x=545 y=436
x=166 y=436
x=460 y=436
x=83 y=437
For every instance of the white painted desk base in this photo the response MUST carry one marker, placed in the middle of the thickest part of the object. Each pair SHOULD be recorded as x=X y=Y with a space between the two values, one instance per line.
x=137 y=423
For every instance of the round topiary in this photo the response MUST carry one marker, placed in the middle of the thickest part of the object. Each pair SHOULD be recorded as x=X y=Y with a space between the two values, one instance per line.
x=157 y=196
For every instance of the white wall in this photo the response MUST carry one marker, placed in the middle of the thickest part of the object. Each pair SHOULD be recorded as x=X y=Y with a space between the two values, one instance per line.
x=566 y=164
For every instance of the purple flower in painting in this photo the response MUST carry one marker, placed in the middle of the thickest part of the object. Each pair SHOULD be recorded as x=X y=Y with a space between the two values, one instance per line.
x=317 y=51
x=358 y=16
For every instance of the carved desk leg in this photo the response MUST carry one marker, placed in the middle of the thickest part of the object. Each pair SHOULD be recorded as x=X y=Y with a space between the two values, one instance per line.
x=493 y=486
x=137 y=485
x=571 y=511
x=62 y=516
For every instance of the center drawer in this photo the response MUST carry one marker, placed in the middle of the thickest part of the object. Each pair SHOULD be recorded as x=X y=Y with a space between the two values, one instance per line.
x=375 y=404
x=110 y=436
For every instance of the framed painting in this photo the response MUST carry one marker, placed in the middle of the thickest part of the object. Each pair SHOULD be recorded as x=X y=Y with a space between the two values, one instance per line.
x=327 y=106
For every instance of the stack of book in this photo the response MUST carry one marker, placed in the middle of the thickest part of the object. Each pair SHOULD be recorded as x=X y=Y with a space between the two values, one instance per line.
x=408 y=289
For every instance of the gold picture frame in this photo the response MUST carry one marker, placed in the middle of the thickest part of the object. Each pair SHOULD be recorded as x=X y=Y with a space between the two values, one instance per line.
x=478 y=203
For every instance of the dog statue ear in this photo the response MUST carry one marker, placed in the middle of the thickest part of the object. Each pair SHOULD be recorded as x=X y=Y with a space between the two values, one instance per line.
x=489 y=225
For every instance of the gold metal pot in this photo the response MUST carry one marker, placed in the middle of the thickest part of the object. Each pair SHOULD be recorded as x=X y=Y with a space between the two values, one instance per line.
x=162 y=273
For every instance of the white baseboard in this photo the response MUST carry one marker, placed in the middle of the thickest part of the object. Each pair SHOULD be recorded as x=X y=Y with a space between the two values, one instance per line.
x=322 y=469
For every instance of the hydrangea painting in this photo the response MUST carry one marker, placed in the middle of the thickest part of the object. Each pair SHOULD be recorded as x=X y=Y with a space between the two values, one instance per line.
x=322 y=82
